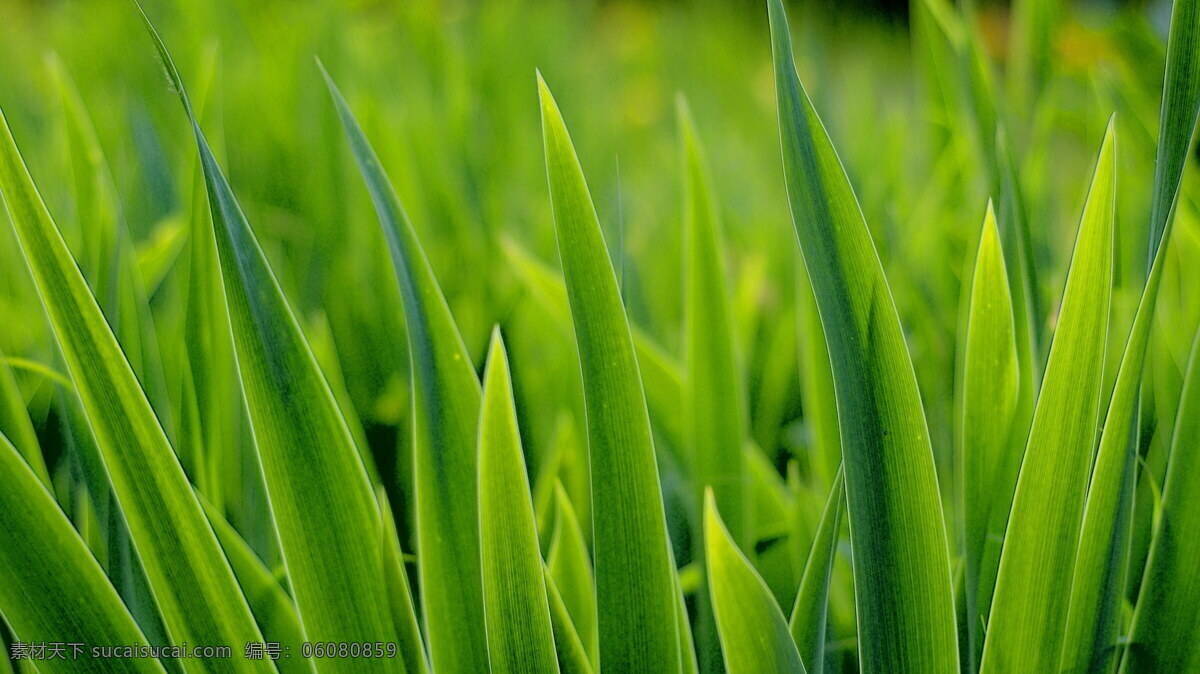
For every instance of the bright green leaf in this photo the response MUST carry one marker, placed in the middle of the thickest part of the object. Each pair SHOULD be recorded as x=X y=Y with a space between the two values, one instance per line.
x=898 y=536
x=635 y=592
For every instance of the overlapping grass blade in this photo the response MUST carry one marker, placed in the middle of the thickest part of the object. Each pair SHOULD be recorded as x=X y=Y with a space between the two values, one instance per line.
x=1100 y=569
x=754 y=633
x=662 y=378
x=446 y=399
x=572 y=658
x=400 y=597
x=273 y=609
x=520 y=636
x=108 y=252
x=635 y=591
x=1160 y=634
x=991 y=455
x=321 y=500
x=15 y=423
x=1178 y=114
x=570 y=565
x=898 y=537
x=1029 y=608
x=193 y=586
x=808 y=624
x=53 y=589
x=1166 y=623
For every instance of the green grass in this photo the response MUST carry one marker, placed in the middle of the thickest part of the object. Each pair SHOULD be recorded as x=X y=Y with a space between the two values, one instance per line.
x=728 y=377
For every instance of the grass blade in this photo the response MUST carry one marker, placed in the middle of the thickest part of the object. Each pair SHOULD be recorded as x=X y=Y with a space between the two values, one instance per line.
x=1166 y=624
x=53 y=589
x=15 y=423
x=1178 y=114
x=301 y=439
x=990 y=458
x=901 y=559
x=446 y=399
x=635 y=589
x=1028 y=613
x=808 y=624
x=1158 y=637
x=712 y=420
x=193 y=586
x=400 y=598
x=754 y=634
x=572 y=659
x=520 y=637
x=570 y=565
x=273 y=608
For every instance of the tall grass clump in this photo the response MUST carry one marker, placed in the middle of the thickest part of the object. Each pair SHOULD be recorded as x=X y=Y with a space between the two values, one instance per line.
x=861 y=344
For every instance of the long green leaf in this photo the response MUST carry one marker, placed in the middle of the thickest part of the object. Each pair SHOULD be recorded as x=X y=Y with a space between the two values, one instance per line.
x=446 y=399
x=1026 y=624
x=1166 y=624
x=990 y=458
x=300 y=437
x=634 y=588
x=754 y=633
x=808 y=624
x=898 y=538
x=193 y=586
x=53 y=589
x=520 y=637
x=569 y=562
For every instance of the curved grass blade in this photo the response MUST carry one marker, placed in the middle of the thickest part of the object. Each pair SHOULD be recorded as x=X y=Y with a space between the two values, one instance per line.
x=898 y=536
x=572 y=658
x=53 y=589
x=320 y=497
x=446 y=399
x=1098 y=582
x=273 y=608
x=193 y=586
x=520 y=636
x=404 y=614
x=810 y=613
x=990 y=458
x=15 y=423
x=570 y=565
x=635 y=591
x=1029 y=608
x=1166 y=623
x=754 y=634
